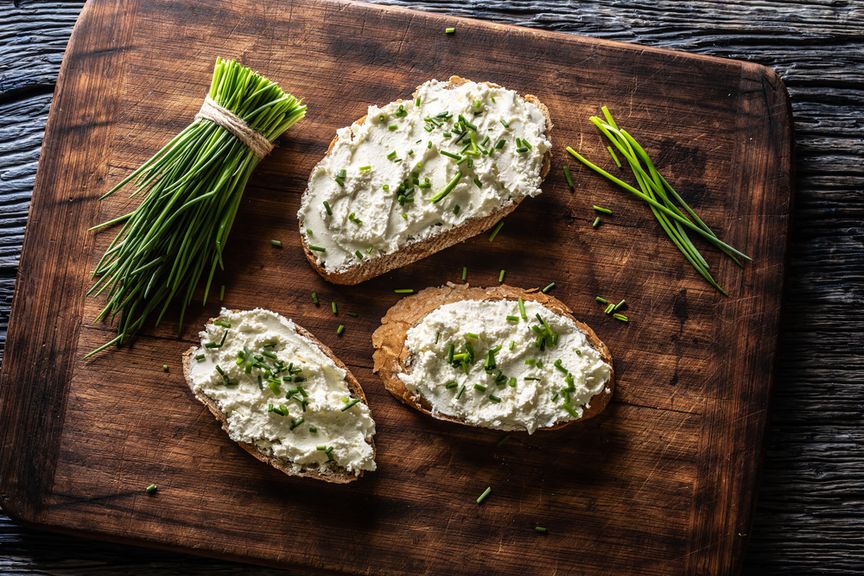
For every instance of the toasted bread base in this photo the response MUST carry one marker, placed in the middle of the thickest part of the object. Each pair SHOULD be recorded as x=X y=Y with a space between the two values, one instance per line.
x=391 y=355
x=337 y=476
x=426 y=247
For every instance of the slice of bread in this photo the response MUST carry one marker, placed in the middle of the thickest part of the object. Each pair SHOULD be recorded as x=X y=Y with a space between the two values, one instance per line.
x=392 y=357
x=331 y=473
x=419 y=249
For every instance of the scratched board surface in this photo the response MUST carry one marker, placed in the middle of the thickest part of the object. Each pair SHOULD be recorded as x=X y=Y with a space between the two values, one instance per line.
x=661 y=483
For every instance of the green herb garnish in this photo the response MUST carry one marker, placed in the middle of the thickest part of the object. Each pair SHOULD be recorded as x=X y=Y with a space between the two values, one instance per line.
x=496 y=230
x=596 y=223
x=669 y=208
x=621 y=317
x=447 y=189
x=327 y=208
x=501 y=275
x=541 y=530
x=315 y=300
x=548 y=287
x=602 y=210
x=403 y=291
x=350 y=404
x=464 y=273
x=569 y=178
x=151 y=489
x=334 y=308
x=276 y=243
x=340 y=329
x=484 y=495
x=173 y=241
x=450 y=30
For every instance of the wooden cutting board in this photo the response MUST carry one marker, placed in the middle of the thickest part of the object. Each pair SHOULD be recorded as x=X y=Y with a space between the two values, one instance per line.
x=662 y=483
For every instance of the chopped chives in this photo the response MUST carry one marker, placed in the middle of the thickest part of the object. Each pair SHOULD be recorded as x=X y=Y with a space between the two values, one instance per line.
x=165 y=368
x=480 y=387
x=334 y=308
x=601 y=300
x=221 y=292
x=501 y=143
x=512 y=318
x=151 y=489
x=451 y=155
x=596 y=222
x=200 y=357
x=403 y=291
x=353 y=218
x=313 y=429
x=296 y=422
x=457 y=209
x=464 y=273
x=511 y=381
x=496 y=230
x=541 y=530
x=365 y=168
x=505 y=123
x=316 y=248
x=569 y=178
x=392 y=127
x=451 y=384
x=501 y=275
x=493 y=398
x=340 y=177
x=614 y=156
x=392 y=155
x=222 y=323
x=548 y=287
x=351 y=404
x=609 y=309
x=461 y=391
x=315 y=300
x=327 y=208
x=450 y=30
x=477 y=182
x=340 y=329
x=534 y=378
x=447 y=189
x=358 y=254
x=353 y=314
x=620 y=304
x=417 y=102
x=602 y=210
x=522 y=309
x=401 y=112
x=276 y=243
x=484 y=495
x=621 y=317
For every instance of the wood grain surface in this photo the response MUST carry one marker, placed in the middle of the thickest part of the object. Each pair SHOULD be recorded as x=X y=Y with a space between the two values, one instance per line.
x=841 y=562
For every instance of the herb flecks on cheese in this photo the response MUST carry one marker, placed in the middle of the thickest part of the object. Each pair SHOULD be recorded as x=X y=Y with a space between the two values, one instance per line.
x=281 y=393
x=415 y=169
x=503 y=364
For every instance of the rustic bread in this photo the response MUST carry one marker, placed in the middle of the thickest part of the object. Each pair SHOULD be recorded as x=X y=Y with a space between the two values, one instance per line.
x=418 y=250
x=391 y=356
x=334 y=475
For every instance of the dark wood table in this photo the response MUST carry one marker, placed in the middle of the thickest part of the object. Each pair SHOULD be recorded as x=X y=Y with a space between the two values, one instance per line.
x=810 y=513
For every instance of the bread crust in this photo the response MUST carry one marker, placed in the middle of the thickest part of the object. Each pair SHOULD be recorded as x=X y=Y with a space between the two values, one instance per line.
x=426 y=247
x=337 y=477
x=391 y=355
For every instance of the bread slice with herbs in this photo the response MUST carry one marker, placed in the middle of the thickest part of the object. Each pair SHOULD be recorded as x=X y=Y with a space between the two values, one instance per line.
x=502 y=358
x=416 y=176
x=282 y=395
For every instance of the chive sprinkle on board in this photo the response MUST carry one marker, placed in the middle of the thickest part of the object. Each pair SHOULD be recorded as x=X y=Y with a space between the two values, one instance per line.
x=315 y=300
x=501 y=275
x=484 y=495
x=276 y=243
x=334 y=308
x=596 y=222
x=165 y=368
x=450 y=30
x=602 y=210
x=676 y=218
x=403 y=291
x=221 y=292
x=464 y=273
x=550 y=286
x=541 y=530
x=151 y=489
x=340 y=329
x=569 y=178
x=496 y=230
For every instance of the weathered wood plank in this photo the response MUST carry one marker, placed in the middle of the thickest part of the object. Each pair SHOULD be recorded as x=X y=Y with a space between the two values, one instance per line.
x=805 y=523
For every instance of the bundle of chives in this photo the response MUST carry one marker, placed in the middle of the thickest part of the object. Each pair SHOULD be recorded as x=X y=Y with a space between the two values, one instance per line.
x=193 y=188
x=664 y=201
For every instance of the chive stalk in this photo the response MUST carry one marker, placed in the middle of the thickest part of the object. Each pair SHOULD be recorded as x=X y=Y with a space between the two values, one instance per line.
x=447 y=189
x=501 y=275
x=464 y=273
x=340 y=329
x=548 y=287
x=496 y=230
x=192 y=188
x=484 y=495
x=315 y=300
x=569 y=178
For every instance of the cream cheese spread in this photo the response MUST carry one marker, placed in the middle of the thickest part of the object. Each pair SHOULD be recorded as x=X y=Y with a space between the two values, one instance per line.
x=279 y=391
x=503 y=364
x=418 y=168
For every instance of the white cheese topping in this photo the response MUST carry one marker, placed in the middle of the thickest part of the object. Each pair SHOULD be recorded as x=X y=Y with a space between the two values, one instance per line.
x=280 y=392
x=522 y=387
x=373 y=193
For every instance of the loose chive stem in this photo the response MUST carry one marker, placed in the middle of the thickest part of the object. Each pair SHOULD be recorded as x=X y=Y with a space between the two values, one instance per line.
x=522 y=309
x=151 y=489
x=609 y=309
x=403 y=291
x=447 y=189
x=334 y=308
x=496 y=230
x=221 y=292
x=541 y=530
x=165 y=368
x=602 y=210
x=464 y=273
x=484 y=495
x=569 y=178
x=548 y=287
x=620 y=317
x=315 y=300
x=614 y=156
x=340 y=329
x=450 y=30
x=601 y=300
x=501 y=275
x=276 y=243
